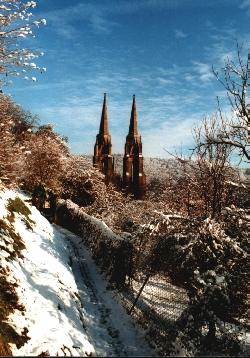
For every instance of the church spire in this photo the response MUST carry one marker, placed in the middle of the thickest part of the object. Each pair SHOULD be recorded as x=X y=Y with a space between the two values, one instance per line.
x=103 y=158
x=134 y=178
x=104 y=119
x=133 y=126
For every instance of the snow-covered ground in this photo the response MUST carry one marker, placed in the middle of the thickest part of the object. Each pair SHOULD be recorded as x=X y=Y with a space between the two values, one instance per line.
x=100 y=306
x=68 y=309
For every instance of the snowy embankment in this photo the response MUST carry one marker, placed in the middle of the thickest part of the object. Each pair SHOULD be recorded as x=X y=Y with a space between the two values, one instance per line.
x=66 y=308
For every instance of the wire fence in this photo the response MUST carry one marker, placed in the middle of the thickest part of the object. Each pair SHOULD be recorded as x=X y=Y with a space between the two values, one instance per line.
x=156 y=305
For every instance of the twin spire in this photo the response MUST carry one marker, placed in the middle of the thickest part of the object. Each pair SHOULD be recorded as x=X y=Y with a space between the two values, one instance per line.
x=133 y=125
x=133 y=179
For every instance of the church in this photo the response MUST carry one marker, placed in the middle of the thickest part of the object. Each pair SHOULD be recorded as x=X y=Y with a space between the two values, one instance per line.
x=133 y=177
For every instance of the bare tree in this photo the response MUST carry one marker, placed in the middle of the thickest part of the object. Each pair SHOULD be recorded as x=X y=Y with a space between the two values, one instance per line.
x=233 y=130
x=205 y=182
x=214 y=172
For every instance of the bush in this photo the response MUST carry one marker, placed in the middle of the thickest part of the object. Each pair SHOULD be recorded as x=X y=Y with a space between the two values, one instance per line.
x=17 y=205
x=211 y=266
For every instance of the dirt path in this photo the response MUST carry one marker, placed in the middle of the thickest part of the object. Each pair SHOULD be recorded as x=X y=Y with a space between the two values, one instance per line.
x=109 y=328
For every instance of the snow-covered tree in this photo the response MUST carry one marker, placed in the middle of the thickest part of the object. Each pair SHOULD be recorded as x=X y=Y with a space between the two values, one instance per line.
x=82 y=183
x=44 y=154
x=15 y=124
x=8 y=149
x=16 y=24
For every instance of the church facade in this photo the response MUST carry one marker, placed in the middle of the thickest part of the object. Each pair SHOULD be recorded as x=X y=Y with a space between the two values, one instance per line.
x=133 y=177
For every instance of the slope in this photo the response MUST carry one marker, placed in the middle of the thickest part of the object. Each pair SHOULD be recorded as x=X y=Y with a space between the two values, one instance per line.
x=64 y=306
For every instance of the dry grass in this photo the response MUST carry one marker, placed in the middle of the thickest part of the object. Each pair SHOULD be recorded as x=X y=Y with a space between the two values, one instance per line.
x=9 y=303
x=18 y=206
x=12 y=244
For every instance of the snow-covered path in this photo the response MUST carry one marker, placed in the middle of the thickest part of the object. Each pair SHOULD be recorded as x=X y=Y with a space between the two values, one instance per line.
x=109 y=329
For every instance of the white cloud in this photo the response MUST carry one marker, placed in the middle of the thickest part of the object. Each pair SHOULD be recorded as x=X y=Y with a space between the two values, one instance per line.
x=100 y=24
x=204 y=71
x=224 y=44
x=189 y=78
x=168 y=136
x=245 y=5
x=164 y=81
x=99 y=15
x=179 y=34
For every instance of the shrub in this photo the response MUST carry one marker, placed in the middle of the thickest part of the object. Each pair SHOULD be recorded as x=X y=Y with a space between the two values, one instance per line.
x=211 y=266
x=17 y=205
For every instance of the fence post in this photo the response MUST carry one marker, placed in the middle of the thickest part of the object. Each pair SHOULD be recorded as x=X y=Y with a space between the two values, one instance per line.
x=139 y=293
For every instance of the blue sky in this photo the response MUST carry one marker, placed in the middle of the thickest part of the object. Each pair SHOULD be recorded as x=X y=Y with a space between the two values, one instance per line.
x=160 y=50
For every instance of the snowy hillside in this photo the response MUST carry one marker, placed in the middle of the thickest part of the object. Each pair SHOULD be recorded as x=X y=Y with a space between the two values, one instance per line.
x=153 y=167
x=63 y=306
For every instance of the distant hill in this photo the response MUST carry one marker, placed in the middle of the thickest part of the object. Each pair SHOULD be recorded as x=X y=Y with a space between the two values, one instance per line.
x=153 y=167
x=160 y=167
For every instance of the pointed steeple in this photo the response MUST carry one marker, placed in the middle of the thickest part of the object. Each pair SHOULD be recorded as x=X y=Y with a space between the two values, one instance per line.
x=103 y=158
x=134 y=178
x=104 y=119
x=133 y=126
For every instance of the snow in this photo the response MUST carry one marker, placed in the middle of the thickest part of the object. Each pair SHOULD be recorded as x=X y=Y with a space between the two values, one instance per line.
x=124 y=339
x=99 y=227
x=68 y=309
